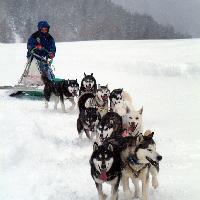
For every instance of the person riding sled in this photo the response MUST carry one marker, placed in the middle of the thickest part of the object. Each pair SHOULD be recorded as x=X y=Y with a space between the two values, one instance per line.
x=43 y=46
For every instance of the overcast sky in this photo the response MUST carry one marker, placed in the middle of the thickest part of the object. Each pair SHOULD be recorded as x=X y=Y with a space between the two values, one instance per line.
x=183 y=14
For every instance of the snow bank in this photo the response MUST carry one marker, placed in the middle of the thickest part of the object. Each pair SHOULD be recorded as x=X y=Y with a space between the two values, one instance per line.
x=41 y=156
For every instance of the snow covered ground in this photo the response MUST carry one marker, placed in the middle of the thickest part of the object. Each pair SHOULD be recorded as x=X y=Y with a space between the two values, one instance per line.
x=41 y=157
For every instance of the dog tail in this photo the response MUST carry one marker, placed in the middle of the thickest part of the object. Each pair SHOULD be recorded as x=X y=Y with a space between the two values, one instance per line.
x=128 y=101
x=83 y=99
x=126 y=96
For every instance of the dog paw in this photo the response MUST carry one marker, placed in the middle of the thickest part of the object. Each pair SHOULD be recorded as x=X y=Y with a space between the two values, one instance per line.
x=46 y=106
x=154 y=183
x=136 y=196
x=128 y=194
x=103 y=197
x=80 y=137
x=71 y=108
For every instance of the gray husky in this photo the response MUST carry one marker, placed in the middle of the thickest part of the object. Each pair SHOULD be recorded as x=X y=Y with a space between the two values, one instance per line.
x=140 y=159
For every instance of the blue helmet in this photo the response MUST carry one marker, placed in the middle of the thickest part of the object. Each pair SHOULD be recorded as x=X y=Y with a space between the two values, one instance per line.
x=43 y=24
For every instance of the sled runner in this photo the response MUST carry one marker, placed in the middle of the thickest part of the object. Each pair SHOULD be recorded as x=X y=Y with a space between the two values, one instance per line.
x=30 y=83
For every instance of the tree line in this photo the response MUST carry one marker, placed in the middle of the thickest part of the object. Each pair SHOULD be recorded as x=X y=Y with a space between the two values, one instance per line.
x=74 y=20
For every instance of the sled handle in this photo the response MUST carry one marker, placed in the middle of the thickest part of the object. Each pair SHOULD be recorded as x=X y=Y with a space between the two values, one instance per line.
x=32 y=51
x=38 y=56
x=42 y=59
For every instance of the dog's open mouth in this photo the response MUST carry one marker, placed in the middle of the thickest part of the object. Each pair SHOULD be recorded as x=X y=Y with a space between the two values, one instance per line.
x=152 y=161
x=133 y=127
x=104 y=97
x=88 y=88
x=75 y=93
x=102 y=139
x=103 y=175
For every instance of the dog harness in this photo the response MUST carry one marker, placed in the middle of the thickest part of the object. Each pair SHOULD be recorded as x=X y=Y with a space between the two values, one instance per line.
x=100 y=105
x=140 y=166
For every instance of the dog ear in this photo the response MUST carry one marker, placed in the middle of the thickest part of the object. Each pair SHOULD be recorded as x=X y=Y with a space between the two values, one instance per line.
x=148 y=136
x=91 y=74
x=128 y=110
x=76 y=80
x=141 y=111
x=95 y=146
x=110 y=147
x=84 y=74
x=107 y=86
x=152 y=134
x=147 y=132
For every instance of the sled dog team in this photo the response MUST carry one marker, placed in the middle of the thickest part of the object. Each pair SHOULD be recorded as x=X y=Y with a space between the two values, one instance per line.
x=121 y=150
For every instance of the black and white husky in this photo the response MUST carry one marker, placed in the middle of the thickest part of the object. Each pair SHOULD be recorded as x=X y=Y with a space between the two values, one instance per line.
x=88 y=84
x=105 y=165
x=59 y=91
x=98 y=100
x=87 y=121
x=120 y=102
x=140 y=161
x=109 y=126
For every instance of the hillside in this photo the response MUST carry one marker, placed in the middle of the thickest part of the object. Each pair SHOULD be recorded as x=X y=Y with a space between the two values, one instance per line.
x=74 y=20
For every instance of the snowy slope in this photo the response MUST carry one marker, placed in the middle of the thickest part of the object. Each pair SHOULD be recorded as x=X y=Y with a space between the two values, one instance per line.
x=41 y=156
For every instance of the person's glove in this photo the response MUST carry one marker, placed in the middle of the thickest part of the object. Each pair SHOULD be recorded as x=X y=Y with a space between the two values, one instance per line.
x=51 y=55
x=38 y=46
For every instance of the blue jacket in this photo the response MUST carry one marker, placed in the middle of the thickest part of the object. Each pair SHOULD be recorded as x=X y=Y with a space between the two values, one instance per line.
x=45 y=39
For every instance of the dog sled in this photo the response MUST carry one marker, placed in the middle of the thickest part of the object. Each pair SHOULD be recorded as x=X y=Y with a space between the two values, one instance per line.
x=30 y=82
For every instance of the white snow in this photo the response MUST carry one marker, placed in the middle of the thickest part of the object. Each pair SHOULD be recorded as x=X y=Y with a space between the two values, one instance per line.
x=41 y=157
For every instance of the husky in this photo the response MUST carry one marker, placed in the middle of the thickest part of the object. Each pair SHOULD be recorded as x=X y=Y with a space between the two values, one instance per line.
x=98 y=100
x=139 y=160
x=64 y=89
x=87 y=121
x=109 y=126
x=132 y=123
x=105 y=165
x=120 y=102
x=88 y=84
